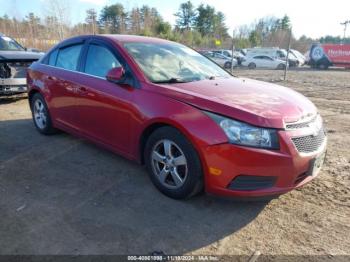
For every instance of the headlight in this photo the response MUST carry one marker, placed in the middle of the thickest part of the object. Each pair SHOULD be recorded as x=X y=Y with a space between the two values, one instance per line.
x=247 y=135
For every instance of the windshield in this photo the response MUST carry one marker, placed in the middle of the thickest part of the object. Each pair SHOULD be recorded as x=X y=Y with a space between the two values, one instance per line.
x=171 y=62
x=297 y=54
x=8 y=44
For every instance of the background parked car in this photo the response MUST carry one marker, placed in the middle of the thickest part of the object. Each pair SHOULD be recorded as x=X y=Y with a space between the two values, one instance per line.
x=223 y=61
x=263 y=61
x=224 y=52
x=14 y=61
x=301 y=58
x=237 y=55
x=273 y=52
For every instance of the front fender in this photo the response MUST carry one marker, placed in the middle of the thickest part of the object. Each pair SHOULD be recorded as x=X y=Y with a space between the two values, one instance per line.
x=195 y=125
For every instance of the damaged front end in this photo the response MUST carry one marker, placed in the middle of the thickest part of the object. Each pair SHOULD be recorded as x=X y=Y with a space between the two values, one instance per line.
x=13 y=75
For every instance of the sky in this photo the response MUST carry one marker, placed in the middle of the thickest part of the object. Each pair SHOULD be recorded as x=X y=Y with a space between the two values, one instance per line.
x=313 y=18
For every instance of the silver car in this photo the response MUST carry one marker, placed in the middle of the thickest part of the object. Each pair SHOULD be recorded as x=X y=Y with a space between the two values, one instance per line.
x=222 y=60
x=14 y=61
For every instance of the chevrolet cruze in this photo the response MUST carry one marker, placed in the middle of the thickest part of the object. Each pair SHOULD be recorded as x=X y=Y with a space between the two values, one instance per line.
x=190 y=122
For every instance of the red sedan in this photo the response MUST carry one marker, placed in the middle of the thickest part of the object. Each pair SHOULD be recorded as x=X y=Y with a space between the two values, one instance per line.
x=190 y=122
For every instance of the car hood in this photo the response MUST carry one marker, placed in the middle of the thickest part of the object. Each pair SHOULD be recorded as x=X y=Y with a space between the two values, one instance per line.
x=255 y=102
x=19 y=55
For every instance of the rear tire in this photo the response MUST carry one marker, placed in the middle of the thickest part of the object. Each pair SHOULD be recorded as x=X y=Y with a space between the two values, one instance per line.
x=227 y=65
x=281 y=66
x=252 y=66
x=41 y=115
x=173 y=164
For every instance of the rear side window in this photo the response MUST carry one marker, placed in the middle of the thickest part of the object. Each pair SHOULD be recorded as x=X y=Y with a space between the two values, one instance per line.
x=53 y=58
x=68 y=57
x=99 y=61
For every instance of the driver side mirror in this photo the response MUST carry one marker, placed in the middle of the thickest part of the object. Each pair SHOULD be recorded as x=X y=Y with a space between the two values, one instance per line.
x=116 y=74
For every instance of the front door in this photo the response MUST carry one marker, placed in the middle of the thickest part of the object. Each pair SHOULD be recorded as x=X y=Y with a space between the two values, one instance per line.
x=104 y=107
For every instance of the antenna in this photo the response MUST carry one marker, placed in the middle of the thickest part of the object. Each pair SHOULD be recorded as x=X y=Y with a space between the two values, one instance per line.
x=345 y=24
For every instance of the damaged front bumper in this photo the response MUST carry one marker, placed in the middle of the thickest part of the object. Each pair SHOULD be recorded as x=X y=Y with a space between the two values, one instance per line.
x=12 y=86
x=13 y=76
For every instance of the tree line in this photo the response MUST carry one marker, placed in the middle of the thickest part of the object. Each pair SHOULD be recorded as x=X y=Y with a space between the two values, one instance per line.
x=199 y=26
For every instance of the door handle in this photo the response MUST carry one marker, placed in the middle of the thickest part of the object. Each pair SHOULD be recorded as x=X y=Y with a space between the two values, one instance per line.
x=82 y=90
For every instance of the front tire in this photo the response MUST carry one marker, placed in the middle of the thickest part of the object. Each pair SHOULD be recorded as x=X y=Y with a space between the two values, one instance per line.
x=173 y=164
x=252 y=66
x=41 y=115
x=323 y=66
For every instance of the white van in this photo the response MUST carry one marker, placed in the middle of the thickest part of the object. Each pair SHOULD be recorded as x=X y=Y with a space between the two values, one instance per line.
x=274 y=52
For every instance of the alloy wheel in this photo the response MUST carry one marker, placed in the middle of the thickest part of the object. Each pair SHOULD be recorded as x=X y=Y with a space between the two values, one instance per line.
x=40 y=114
x=169 y=164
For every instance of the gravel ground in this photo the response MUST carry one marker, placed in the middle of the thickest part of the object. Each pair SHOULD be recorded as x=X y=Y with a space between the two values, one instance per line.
x=63 y=195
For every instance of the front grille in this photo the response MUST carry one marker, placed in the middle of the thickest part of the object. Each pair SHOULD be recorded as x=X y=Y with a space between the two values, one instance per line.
x=249 y=183
x=299 y=125
x=310 y=143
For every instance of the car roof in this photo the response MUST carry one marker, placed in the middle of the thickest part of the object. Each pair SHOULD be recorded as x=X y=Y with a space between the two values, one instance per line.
x=135 y=38
x=121 y=39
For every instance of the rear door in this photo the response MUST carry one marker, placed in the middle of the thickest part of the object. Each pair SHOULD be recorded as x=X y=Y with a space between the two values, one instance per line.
x=267 y=62
x=61 y=82
x=105 y=109
x=258 y=61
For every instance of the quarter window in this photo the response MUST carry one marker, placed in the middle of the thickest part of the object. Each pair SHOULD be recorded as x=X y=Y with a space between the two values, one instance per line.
x=68 y=57
x=99 y=61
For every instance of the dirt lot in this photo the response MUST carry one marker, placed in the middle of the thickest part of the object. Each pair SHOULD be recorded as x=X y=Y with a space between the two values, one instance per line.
x=63 y=195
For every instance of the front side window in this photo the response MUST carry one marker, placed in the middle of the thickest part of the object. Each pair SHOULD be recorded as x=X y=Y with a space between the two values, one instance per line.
x=8 y=44
x=281 y=54
x=268 y=58
x=68 y=57
x=164 y=62
x=99 y=61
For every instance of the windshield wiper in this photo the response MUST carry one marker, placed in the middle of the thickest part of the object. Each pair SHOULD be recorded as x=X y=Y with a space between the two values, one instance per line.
x=170 y=81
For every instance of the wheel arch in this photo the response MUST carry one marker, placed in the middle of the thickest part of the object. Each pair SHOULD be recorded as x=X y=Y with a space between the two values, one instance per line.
x=159 y=123
x=31 y=93
x=145 y=135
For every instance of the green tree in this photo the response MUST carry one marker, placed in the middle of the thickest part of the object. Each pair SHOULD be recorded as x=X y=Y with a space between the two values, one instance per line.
x=113 y=19
x=255 y=38
x=205 y=19
x=150 y=19
x=285 y=23
x=219 y=27
x=211 y=23
x=186 y=16
x=163 y=29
